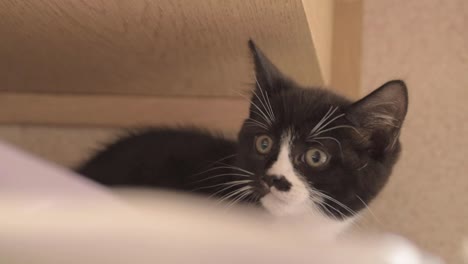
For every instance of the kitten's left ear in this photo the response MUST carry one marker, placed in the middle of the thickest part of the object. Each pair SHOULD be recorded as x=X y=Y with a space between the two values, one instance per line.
x=267 y=74
x=380 y=115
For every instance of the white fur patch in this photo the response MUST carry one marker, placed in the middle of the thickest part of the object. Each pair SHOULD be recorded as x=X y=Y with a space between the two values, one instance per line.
x=294 y=201
x=297 y=200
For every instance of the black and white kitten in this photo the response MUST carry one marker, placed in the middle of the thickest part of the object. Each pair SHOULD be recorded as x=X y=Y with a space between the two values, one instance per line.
x=299 y=151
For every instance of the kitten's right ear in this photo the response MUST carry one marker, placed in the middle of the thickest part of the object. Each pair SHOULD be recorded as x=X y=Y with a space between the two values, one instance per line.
x=380 y=115
x=266 y=73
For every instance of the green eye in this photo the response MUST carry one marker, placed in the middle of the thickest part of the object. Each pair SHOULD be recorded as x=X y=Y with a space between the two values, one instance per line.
x=316 y=157
x=263 y=144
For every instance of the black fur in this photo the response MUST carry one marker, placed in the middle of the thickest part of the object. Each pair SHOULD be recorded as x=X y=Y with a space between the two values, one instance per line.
x=163 y=158
x=362 y=157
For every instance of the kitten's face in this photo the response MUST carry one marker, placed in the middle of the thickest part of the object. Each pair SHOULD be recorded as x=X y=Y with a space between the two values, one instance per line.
x=312 y=151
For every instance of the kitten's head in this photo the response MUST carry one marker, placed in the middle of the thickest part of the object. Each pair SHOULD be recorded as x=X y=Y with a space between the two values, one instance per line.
x=312 y=151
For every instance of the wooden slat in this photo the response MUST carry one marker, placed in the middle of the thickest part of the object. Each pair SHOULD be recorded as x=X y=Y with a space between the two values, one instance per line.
x=147 y=47
x=319 y=15
x=346 y=51
x=218 y=113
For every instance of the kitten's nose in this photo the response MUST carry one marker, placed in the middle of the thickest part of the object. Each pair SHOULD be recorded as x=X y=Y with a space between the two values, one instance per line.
x=278 y=181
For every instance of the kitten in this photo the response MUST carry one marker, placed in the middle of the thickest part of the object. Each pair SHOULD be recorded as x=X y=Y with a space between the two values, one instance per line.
x=299 y=151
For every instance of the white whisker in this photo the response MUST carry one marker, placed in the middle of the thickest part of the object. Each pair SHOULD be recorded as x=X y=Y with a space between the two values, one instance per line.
x=266 y=98
x=370 y=211
x=235 y=167
x=252 y=124
x=352 y=212
x=269 y=104
x=225 y=166
x=257 y=123
x=325 y=205
x=324 y=118
x=236 y=192
x=316 y=141
x=262 y=113
x=221 y=159
x=363 y=166
x=329 y=122
x=333 y=128
x=263 y=104
x=226 y=188
x=334 y=139
x=231 y=183
x=255 y=120
x=239 y=198
x=220 y=175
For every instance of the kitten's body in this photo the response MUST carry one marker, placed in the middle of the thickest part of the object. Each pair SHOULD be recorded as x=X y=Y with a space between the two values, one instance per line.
x=165 y=158
x=299 y=151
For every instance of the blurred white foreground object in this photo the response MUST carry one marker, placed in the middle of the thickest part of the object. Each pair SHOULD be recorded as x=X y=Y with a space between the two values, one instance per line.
x=50 y=215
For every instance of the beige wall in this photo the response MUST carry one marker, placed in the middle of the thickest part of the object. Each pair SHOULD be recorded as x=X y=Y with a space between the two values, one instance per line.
x=426 y=44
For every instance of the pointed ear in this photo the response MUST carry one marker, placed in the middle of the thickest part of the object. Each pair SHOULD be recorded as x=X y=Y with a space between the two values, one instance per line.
x=380 y=115
x=267 y=74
